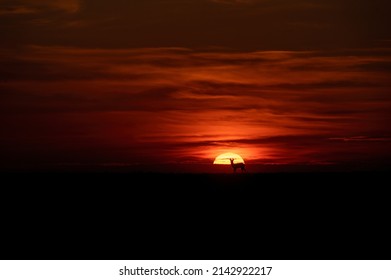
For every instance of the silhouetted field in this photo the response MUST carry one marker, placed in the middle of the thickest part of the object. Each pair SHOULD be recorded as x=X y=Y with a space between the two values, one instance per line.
x=192 y=216
x=138 y=181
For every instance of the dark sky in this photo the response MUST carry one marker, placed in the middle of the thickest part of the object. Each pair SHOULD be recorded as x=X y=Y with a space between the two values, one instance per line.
x=126 y=82
x=240 y=25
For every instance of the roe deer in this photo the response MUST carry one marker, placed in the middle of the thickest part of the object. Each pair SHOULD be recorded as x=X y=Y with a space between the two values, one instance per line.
x=240 y=165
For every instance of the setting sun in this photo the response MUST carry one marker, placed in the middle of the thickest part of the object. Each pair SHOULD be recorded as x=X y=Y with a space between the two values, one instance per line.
x=224 y=158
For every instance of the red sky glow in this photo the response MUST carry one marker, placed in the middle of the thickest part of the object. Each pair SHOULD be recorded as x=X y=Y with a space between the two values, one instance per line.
x=134 y=96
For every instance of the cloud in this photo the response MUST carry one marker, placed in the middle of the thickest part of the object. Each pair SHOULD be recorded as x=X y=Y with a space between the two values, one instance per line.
x=269 y=106
x=241 y=25
x=20 y=7
x=17 y=10
x=309 y=87
x=70 y=6
x=232 y=2
x=361 y=139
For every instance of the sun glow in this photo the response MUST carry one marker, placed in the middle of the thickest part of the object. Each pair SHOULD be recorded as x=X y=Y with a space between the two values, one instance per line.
x=224 y=158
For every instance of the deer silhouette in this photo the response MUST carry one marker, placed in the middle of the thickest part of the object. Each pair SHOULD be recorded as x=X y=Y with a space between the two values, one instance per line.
x=240 y=165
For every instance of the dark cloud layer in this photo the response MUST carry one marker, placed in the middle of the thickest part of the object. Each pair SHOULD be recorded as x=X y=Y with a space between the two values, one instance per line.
x=238 y=24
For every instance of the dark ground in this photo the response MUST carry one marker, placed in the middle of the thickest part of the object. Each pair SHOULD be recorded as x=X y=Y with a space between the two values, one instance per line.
x=195 y=216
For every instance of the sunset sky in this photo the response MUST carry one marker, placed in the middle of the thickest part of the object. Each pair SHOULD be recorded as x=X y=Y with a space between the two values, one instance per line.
x=178 y=82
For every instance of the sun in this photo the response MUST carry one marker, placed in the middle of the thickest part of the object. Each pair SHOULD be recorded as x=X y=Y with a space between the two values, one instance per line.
x=224 y=158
